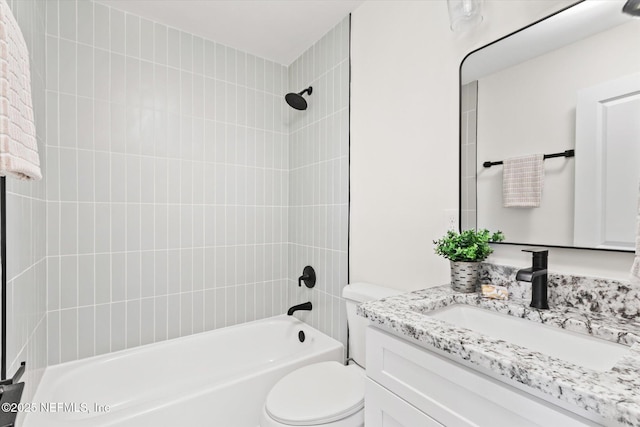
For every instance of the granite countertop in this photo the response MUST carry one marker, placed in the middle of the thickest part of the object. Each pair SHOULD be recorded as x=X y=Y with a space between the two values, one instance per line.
x=613 y=394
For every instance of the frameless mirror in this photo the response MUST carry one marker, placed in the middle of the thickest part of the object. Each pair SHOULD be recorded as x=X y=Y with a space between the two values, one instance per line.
x=568 y=82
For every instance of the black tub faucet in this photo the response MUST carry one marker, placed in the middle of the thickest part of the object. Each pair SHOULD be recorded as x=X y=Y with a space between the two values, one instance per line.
x=305 y=306
x=537 y=275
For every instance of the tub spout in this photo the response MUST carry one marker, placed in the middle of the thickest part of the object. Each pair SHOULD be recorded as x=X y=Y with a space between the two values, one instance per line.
x=305 y=306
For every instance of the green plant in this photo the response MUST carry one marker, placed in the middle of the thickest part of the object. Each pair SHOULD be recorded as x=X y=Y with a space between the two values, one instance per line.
x=468 y=246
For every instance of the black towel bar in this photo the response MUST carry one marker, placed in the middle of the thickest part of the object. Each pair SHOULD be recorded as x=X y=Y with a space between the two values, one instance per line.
x=566 y=153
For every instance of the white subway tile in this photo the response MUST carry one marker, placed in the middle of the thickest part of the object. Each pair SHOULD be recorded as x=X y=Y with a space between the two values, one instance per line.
x=101 y=26
x=67 y=126
x=160 y=227
x=85 y=63
x=53 y=283
x=118 y=78
x=101 y=126
x=186 y=313
x=102 y=329
x=173 y=48
x=147 y=321
x=68 y=19
x=52 y=17
x=133 y=90
x=133 y=227
x=68 y=282
x=186 y=51
x=147 y=231
x=118 y=326
x=173 y=316
x=209 y=309
x=103 y=279
x=160 y=44
x=86 y=332
x=86 y=225
x=147 y=179
x=147 y=37
x=117 y=31
x=118 y=227
x=147 y=91
x=133 y=275
x=160 y=277
x=68 y=335
x=133 y=323
x=160 y=312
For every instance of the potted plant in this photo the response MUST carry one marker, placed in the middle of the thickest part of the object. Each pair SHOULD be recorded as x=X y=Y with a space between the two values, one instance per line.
x=465 y=251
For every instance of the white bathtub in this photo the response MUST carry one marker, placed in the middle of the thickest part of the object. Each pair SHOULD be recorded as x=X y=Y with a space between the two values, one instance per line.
x=218 y=378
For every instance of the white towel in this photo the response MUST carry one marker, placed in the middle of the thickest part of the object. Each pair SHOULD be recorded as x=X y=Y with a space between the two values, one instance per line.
x=522 y=180
x=18 y=147
x=635 y=268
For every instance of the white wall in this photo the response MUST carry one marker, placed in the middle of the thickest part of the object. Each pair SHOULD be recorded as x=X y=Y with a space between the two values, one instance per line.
x=404 y=140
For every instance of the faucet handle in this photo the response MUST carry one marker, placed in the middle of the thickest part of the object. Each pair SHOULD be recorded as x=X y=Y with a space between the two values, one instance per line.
x=536 y=250
x=539 y=255
x=308 y=277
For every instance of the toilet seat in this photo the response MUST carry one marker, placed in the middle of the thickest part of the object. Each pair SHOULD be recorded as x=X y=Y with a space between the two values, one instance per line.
x=317 y=394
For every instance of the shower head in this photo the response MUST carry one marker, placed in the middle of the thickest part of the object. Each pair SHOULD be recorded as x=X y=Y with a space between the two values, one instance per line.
x=632 y=7
x=295 y=100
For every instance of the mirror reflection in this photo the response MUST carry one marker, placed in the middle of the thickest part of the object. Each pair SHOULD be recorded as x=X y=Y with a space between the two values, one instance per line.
x=568 y=84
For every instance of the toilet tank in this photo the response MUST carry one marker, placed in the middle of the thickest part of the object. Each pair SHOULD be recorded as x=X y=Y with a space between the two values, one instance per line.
x=354 y=294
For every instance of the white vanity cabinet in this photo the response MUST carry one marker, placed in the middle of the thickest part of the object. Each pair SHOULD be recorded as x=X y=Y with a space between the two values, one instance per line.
x=410 y=386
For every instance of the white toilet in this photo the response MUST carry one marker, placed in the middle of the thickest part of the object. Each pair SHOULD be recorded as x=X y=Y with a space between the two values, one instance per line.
x=327 y=394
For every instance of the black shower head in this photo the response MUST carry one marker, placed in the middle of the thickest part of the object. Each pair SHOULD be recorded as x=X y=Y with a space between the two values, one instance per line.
x=632 y=7
x=295 y=100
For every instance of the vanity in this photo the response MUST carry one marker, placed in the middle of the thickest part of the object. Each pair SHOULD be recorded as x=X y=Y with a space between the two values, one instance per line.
x=565 y=87
x=436 y=357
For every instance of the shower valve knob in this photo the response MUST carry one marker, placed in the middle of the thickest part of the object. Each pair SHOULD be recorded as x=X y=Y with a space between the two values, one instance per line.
x=308 y=277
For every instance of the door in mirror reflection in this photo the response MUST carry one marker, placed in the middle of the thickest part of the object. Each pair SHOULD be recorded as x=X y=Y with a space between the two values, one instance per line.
x=608 y=169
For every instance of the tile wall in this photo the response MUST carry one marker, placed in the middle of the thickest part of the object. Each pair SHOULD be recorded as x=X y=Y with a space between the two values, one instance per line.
x=319 y=180
x=167 y=190
x=166 y=208
x=26 y=219
x=469 y=114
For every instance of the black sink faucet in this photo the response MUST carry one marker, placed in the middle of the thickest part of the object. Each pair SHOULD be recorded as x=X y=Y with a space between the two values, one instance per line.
x=537 y=275
x=305 y=306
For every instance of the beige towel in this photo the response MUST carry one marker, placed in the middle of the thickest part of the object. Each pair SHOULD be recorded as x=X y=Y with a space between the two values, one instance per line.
x=522 y=179
x=635 y=268
x=18 y=147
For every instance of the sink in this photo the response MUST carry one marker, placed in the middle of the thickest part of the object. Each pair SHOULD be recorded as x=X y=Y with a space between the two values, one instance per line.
x=583 y=350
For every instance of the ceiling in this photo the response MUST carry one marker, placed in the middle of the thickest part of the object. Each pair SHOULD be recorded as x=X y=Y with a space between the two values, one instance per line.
x=278 y=30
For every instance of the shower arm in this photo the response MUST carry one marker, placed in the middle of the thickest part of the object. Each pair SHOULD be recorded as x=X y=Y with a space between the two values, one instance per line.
x=308 y=90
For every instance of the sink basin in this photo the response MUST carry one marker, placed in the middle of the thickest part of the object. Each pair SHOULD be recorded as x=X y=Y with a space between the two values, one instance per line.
x=583 y=350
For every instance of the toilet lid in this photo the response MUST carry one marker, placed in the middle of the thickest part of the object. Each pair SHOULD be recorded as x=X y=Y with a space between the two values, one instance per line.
x=317 y=394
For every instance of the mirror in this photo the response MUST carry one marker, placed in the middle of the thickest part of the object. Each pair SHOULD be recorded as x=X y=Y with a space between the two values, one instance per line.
x=568 y=82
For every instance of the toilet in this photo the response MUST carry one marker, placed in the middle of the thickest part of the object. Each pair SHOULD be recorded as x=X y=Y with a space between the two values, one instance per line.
x=327 y=394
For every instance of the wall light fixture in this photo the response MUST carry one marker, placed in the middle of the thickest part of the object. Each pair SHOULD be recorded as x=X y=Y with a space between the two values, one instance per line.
x=464 y=14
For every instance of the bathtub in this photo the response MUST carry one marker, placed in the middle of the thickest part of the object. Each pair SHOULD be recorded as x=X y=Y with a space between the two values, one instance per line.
x=218 y=378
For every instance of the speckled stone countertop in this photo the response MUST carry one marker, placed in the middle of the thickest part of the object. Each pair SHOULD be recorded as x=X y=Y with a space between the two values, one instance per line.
x=613 y=395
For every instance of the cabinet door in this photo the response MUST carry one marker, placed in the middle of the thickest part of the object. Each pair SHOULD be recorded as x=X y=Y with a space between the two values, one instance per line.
x=384 y=409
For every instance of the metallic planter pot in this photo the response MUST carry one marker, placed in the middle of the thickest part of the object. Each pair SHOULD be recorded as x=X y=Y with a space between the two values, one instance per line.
x=464 y=276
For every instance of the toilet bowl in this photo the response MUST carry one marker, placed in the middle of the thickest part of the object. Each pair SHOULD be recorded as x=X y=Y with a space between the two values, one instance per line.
x=327 y=394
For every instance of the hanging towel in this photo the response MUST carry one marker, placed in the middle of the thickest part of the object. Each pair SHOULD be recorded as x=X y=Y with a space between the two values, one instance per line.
x=522 y=179
x=635 y=268
x=18 y=147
